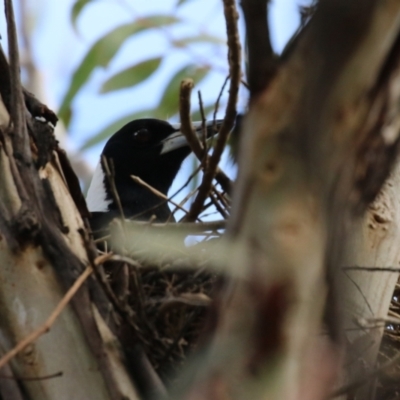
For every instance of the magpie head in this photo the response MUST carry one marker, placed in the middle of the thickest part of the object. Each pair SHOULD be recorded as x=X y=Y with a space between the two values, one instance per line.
x=149 y=148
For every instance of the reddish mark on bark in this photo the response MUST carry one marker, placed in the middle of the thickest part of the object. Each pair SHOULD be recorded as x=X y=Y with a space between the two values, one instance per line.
x=40 y=264
x=271 y=304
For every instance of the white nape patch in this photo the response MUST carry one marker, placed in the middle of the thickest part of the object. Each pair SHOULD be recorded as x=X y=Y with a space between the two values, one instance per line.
x=96 y=198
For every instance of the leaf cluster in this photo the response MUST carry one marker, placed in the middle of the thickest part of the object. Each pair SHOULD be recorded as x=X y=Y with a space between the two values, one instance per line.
x=105 y=49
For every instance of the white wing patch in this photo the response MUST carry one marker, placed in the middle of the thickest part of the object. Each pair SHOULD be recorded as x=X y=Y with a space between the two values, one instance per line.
x=96 y=198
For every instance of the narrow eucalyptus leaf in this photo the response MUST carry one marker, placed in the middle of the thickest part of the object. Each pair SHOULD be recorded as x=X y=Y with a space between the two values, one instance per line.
x=131 y=76
x=169 y=103
x=101 y=53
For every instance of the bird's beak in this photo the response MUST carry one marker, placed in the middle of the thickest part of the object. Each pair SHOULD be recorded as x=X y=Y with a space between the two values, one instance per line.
x=177 y=140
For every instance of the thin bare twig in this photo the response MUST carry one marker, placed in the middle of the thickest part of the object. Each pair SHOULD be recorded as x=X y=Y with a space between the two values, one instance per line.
x=32 y=378
x=122 y=307
x=186 y=198
x=186 y=123
x=219 y=99
x=203 y=121
x=365 y=379
x=234 y=54
x=194 y=142
x=190 y=226
x=371 y=269
x=21 y=141
x=55 y=314
x=218 y=206
x=110 y=177
x=262 y=62
x=157 y=192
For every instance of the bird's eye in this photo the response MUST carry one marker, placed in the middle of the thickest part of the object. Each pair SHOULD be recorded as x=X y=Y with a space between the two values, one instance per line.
x=142 y=135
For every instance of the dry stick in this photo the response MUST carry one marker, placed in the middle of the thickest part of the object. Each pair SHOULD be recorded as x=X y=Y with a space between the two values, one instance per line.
x=231 y=17
x=124 y=309
x=189 y=195
x=223 y=200
x=110 y=177
x=191 y=137
x=32 y=378
x=55 y=314
x=186 y=123
x=21 y=142
x=365 y=379
x=192 y=175
x=157 y=192
x=262 y=62
x=371 y=269
x=218 y=206
x=190 y=226
x=219 y=99
x=203 y=121
x=194 y=142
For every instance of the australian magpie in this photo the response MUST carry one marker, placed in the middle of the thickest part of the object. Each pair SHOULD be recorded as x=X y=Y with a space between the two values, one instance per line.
x=150 y=149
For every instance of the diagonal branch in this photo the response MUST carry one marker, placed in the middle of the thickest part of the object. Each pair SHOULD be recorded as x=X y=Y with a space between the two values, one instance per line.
x=194 y=142
x=20 y=141
x=262 y=62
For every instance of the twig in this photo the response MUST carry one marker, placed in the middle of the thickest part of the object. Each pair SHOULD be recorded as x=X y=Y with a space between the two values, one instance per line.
x=102 y=239
x=365 y=379
x=20 y=142
x=110 y=177
x=157 y=192
x=371 y=269
x=194 y=142
x=245 y=84
x=186 y=198
x=393 y=320
x=186 y=123
x=217 y=205
x=231 y=17
x=262 y=62
x=221 y=198
x=55 y=314
x=203 y=121
x=127 y=260
x=219 y=99
x=32 y=378
x=189 y=226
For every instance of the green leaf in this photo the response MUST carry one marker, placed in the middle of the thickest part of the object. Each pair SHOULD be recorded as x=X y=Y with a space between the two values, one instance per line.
x=114 y=127
x=77 y=9
x=169 y=103
x=131 y=76
x=181 y=2
x=104 y=50
x=203 y=38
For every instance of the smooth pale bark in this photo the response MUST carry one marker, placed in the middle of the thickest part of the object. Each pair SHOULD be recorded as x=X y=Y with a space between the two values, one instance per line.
x=30 y=291
x=366 y=295
x=301 y=152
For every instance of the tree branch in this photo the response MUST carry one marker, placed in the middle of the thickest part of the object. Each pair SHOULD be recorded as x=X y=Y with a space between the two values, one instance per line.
x=20 y=140
x=262 y=62
x=234 y=57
